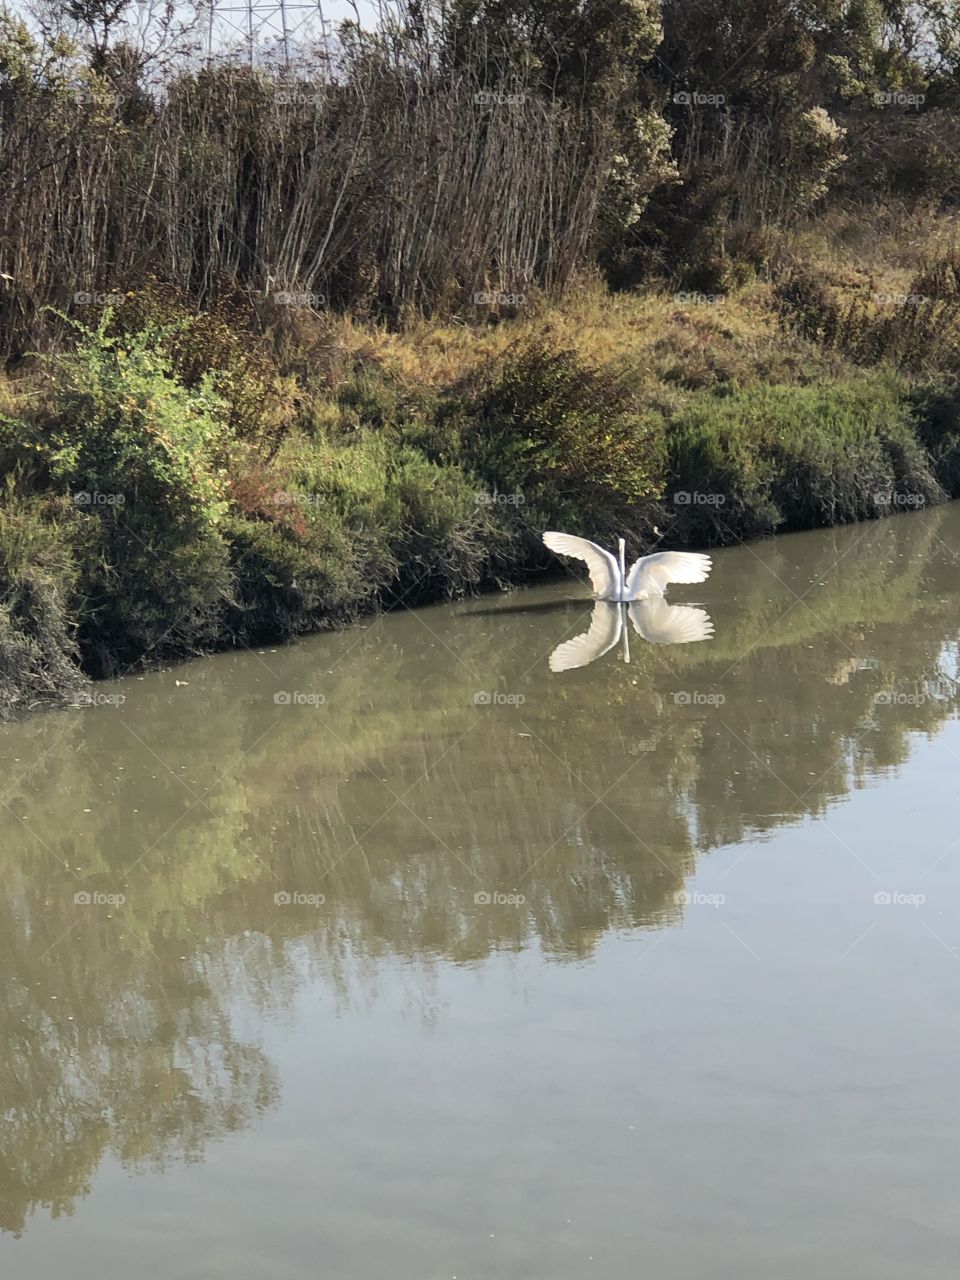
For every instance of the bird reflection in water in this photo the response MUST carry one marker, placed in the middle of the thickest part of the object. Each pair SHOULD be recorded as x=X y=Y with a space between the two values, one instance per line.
x=653 y=620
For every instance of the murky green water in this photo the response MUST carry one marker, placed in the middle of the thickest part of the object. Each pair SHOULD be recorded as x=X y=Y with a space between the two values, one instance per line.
x=399 y=954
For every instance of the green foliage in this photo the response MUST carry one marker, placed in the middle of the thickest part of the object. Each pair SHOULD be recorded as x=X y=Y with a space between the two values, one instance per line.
x=126 y=429
x=795 y=457
x=211 y=349
x=559 y=441
x=142 y=457
x=37 y=648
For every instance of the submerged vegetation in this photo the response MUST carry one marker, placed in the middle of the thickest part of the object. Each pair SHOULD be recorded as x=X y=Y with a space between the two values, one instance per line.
x=293 y=341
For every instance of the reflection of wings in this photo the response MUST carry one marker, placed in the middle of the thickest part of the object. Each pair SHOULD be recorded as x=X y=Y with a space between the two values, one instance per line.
x=650 y=575
x=663 y=623
x=605 y=625
x=604 y=570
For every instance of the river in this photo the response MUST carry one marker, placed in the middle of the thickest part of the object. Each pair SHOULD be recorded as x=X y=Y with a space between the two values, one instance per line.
x=397 y=953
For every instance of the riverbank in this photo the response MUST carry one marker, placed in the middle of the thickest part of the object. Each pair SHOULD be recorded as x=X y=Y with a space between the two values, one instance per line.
x=177 y=483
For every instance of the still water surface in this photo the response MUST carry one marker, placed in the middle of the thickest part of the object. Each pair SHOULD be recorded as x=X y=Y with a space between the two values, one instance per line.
x=397 y=953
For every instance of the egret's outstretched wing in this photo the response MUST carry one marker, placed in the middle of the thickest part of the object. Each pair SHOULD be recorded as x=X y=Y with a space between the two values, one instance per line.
x=605 y=624
x=650 y=575
x=663 y=623
x=604 y=570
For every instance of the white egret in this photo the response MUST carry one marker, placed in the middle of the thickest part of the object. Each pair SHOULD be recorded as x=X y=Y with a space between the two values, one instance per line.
x=648 y=577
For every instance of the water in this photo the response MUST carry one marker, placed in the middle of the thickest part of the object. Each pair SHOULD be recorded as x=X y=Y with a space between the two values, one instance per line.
x=396 y=953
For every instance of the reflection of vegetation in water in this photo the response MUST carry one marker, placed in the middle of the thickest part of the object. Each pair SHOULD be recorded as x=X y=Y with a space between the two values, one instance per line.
x=201 y=804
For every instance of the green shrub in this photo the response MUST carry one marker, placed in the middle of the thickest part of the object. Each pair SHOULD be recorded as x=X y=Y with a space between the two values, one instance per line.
x=213 y=348
x=143 y=458
x=938 y=410
x=796 y=458
x=284 y=586
x=558 y=443
x=37 y=648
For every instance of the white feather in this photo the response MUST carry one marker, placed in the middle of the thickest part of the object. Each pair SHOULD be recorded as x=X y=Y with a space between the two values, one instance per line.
x=603 y=568
x=650 y=575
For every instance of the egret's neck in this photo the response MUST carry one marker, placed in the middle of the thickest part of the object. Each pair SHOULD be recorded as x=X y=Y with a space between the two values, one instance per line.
x=623 y=568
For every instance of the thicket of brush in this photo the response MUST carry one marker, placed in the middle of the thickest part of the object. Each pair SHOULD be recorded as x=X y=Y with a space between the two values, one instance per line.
x=288 y=343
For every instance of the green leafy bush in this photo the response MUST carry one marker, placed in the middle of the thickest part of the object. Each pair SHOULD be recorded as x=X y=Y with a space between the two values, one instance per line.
x=558 y=442
x=143 y=458
x=37 y=648
x=795 y=457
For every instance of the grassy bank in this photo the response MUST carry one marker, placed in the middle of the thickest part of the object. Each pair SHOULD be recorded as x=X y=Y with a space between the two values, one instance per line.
x=176 y=483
